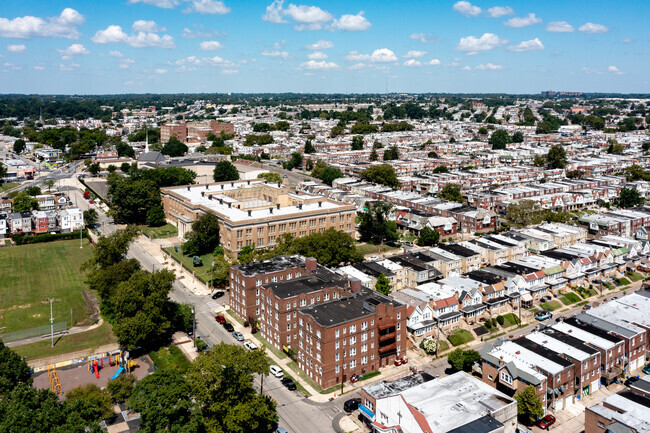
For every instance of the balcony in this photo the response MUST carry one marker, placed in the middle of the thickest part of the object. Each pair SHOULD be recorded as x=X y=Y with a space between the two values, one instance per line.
x=611 y=373
x=386 y=337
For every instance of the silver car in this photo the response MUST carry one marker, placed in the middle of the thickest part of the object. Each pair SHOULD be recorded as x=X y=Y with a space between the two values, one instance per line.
x=238 y=336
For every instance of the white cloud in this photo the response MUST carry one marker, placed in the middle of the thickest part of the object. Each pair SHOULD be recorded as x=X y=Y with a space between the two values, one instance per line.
x=355 y=56
x=466 y=68
x=357 y=66
x=615 y=70
x=466 y=8
x=165 y=4
x=199 y=32
x=314 y=65
x=115 y=53
x=627 y=41
x=351 y=23
x=229 y=71
x=532 y=45
x=63 y=26
x=412 y=63
x=114 y=35
x=425 y=38
x=207 y=7
x=124 y=66
x=145 y=26
x=434 y=62
x=161 y=71
x=73 y=50
x=489 y=66
x=281 y=54
x=311 y=17
x=500 y=11
x=593 y=28
x=414 y=54
x=317 y=55
x=210 y=45
x=274 y=12
x=68 y=67
x=518 y=22
x=381 y=55
x=279 y=45
x=39 y=68
x=559 y=27
x=488 y=41
x=16 y=48
x=320 y=45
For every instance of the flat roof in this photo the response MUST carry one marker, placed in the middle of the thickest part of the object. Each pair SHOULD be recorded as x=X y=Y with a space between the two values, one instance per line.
x=514 y=352
x=349 y=308
x=556 y=345
x=275 y=264
x=584 y=335
x=321 y=278
x=387 y=388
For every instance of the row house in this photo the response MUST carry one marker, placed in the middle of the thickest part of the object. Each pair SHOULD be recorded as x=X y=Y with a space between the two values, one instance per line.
x=626 y=411
x=38 y=222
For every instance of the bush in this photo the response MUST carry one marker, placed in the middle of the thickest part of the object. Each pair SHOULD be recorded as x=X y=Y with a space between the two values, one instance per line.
x=429 y=346
x=21 y=239
x=488 y=324
x=501 y=320
x=494 y=322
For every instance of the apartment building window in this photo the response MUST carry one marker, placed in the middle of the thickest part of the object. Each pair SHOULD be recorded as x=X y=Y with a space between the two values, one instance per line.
x=260 y=231
x=318 y=298
x=318 y=333
x=288 y=326
x=353 y=352
x=364 y=325
x=353 y=340
x=288 y=305
x=506 y=378
x=289 y=276
x=399 y=316
x=364 y=348
x=271 y=229
x=353 y=328
x=336 y=333
x=312 y=301
x=303 y=302
x=294 y=304
x=318 y=357
x=399 y=325
x=336 y=345
x=249 y=233
x=364 y=336
x=258 y=283
x=337 y=369
x=353 y=364
x=326 y=297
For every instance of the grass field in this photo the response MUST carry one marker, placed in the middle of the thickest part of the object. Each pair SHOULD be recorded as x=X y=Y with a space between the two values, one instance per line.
x=570 y=298
x=366 y=249
x=31 y=273
x=166 y=231
x=635 y=276
x=5 y=186
x=621 y=281
x=551 y=305
x=170 y=357
x=459 y=337
x=442 y=346
x=68 y=343
x=509 y=319
x=202 y=272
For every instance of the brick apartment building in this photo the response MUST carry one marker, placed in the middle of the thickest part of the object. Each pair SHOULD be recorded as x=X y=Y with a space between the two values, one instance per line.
x=194 y=131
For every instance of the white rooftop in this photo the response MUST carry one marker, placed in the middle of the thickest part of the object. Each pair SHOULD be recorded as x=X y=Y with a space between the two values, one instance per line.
x=522 y=359
x=557 y=346
x=528 y=356
x=583 y=335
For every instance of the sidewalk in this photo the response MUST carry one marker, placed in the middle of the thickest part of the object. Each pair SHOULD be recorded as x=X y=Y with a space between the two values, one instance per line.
x=73 y=330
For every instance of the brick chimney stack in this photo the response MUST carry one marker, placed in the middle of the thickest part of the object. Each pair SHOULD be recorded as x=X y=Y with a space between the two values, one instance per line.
x=311 y=264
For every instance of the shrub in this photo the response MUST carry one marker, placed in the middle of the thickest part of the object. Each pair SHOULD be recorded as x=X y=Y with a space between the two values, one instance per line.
x=21 y=239
x=429 y=346
x=501 y=320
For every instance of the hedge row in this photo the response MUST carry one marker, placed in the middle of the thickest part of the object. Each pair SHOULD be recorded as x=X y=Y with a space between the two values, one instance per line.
x=21 y=239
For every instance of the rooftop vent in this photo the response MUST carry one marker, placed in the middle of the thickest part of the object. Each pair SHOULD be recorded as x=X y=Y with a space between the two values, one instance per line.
x=206 y=187
x=320 y=204
x=270 y=210
x=300 y=206
x=220 y=201
x=202 y=194
x=188 y=188
x=277 y=205
x=279 y=184
x=221 y=186
x=250 y=213
x=232 y=184
x=229 y=205
x=248 y=182
x=209 y=197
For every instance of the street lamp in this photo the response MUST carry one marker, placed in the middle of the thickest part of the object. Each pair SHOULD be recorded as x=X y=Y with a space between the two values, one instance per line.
x=193 y=327
x=51 y=320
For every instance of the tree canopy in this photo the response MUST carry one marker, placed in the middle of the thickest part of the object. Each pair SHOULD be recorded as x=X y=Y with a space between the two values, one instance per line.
x=225 y=171
x=383 y=174
x=374 y=225
x=629 y=197
x=556 y=157
x=428 y=237
x=174 y=147
x=451 y=192
x=499 y=139
x=204 y=236
x=271 y=177
x=383 y=285
x=529 y=405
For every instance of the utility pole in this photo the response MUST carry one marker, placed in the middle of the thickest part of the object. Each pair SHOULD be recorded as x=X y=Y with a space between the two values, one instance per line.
x=81 y=235
x=51 y=321
x=262 y=383
x=193 y=327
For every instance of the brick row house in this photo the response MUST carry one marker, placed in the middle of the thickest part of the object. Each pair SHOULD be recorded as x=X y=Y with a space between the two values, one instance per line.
x=38 y=222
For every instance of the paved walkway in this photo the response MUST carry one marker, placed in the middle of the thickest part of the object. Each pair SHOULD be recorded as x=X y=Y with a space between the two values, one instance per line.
x=73 y=330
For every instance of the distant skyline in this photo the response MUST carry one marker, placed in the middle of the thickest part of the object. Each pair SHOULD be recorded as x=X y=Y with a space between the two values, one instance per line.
x=251 y=46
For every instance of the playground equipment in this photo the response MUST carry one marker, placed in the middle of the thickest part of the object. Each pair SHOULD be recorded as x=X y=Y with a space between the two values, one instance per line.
x=55 y=383
x=95 y=365
x=122 y=359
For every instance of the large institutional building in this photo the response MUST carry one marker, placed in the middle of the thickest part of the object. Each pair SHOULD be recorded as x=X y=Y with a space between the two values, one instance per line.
x=255 y=211
x=193 y=132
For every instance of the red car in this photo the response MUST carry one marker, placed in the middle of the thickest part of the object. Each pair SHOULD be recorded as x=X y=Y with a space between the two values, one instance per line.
x=220 y=319
x=401 y=360
x=546 y=422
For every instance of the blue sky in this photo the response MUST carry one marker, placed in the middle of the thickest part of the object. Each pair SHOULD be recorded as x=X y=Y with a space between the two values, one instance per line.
x=170 y=46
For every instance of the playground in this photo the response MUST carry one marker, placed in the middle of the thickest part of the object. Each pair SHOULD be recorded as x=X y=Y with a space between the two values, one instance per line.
x=98 y=370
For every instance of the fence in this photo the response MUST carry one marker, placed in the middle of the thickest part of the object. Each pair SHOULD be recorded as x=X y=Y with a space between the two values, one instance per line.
x=39 y=331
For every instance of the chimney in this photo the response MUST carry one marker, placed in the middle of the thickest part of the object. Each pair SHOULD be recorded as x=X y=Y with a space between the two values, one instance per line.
x=270 y=210
x=278 y=205
x=310 y=263
x=232 y=184
x=222 y=186
x=209 y=197
x=248 y=182
x=320 y=204
x=188 y=188
x=354 y=284
x=279 y=184
x=206 y=187
x=266 y=182
x=220 y=201
x=250 y=212
x=202 y=194
x=501 y=361
x=300 y=206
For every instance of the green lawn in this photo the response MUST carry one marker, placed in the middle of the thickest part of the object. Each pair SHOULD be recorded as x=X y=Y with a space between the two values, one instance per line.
x=570 y=298
x=635 y=276
x=31 y=273
x=442 y=346
x=621 y=281
x=367 y=249
x=5 y=186
x=509 y=319
x=202 y=272
x=166 y=231
x=170 y=357
x=551 y=305
x=459 y=337
x=68 y=343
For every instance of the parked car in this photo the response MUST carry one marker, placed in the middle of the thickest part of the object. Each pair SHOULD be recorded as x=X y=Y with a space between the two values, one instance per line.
x=354 y=378
x=289 y=384
x=276 y=371
x=646 y=369
x=630 y=380
x=351 y=405
x=408 y=243
x=228 y=327
x=546 y=422
x=238 y=336
x=543 y=315
x=281 y=430
x=545 y=298
x=220 y=319
x=217 y=295
x=250 y=345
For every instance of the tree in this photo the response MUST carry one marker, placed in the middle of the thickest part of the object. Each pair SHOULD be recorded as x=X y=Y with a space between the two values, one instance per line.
x=225 y=171
x=221 y=382
x=23 y=202
x=271 y=177
x=174 y=147
x=374 y=226
x=3 y=172
x=373 y=155
x=124 y=150
x=33 y=190
x=95 y=400
x=383 y=174
x=14 y=370
x=428 y=237
x=556 y=157
x=629 y=197
x=614 y=147
x=309 y=148
x=204 y=236
x=121 y=388
x=330 y=247
x=125 y=167
x=391 y=154
x=383 y=285
x=499 y=139
x=110 y=250
x=293 y=162
x=165 y=403
x=518 y=137
x=90 y=217
x=482 y=130
x=357 y=142
x=132 y=197
x=441 y=169
x=451 y=192
x=524 y=213
x=247 y=254
x=461 y=359
x=156 y=216
x=94 y=169
x=539 y=161
x=432 y=154
x=111 y=168
x=19 y=146
x=529 y=405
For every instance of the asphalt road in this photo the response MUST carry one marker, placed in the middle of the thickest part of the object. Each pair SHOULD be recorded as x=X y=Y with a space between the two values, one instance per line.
x=296 y=413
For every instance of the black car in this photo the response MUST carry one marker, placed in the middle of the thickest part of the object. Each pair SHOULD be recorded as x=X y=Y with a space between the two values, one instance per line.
x=228 y=327
x=630 y=380
x=217 y=295
x=351 y=405
x=289 y=384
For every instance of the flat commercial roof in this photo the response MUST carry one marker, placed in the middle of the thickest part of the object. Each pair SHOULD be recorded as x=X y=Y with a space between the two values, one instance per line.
x=584 y=335
x=558 y=346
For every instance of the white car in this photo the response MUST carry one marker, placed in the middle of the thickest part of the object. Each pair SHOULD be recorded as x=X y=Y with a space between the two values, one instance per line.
x=276 y=371
x=249 y=345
